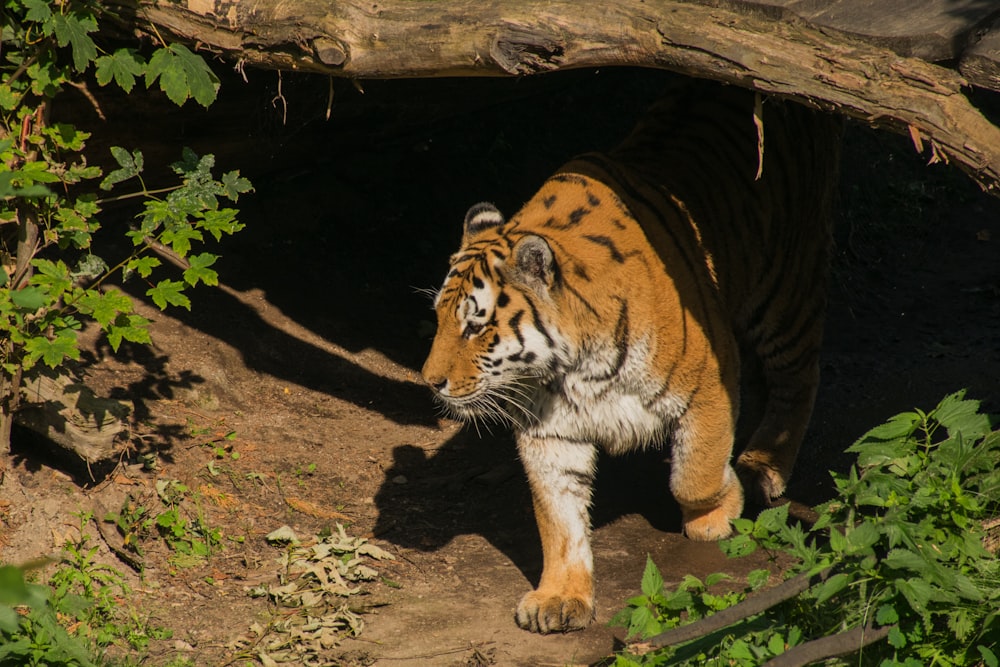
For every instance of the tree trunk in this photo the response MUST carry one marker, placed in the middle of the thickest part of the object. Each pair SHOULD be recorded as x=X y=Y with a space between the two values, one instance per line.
x=782 y=56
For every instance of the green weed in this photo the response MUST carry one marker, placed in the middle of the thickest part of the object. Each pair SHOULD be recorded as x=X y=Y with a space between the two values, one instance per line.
x=72 y=621
x=900 y=547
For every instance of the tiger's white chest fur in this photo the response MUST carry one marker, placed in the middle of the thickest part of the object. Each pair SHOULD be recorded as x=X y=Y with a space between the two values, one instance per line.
x=607 y=399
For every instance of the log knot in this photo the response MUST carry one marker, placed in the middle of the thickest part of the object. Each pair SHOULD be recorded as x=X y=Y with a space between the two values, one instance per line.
x=522 y=50
x=329 y=51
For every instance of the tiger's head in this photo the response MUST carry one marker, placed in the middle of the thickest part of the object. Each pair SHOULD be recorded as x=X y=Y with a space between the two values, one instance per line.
x=495 y=339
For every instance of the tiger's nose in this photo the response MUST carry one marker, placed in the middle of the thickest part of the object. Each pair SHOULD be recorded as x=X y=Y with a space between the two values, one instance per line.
x=437 y=383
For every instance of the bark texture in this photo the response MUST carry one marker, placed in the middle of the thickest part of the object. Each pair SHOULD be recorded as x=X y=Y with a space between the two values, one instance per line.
x=784 y=56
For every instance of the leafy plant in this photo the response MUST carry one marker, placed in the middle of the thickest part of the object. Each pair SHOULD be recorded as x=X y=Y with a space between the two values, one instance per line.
x=898 y=555
x=30 y=632
x=188 y=535
x=70 y=621
x=50 y=279
x=133 y=522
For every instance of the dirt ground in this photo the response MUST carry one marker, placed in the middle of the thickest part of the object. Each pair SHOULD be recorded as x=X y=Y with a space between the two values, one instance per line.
x=308 y=358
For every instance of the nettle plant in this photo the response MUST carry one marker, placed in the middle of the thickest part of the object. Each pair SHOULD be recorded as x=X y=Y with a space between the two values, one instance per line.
x=50 y=197
x=900 y=570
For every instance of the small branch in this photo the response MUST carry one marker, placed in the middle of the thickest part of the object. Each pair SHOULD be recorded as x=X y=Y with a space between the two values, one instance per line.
x=844 y=643
x=750 y=607
x=133 y=195
x=166 y=253
x=85 y=91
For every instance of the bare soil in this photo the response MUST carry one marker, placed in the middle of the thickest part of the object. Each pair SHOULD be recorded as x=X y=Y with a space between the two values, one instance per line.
x=309 y=354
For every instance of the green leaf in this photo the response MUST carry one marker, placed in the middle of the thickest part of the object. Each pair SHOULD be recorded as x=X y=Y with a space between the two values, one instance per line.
x=182 y=74
x=122 y=66
x=776 y=644
x=831 y=587
x=130 y=165
x=10 y=622
x=13 y=590
x=133 y=328
x=191 y=164
x=29 y=298
x=234 y=185
x=169 y=292
x=143 y=265
x=961 y=622
x=960 y=415
x=642 y=623
x=758 y=579
x=37 y=172
x=989 y=657
x=73 y=29
x=201 y=81
x=715 y=578
x=104 y=307
x=66 y=136
x=886 y=615
x=743 y=526
x=54 y=276
x=199 y=269
x=652 y=580
x=179 y=238
x=39 y=11
x=898 y=426
x=8 y=190
x=896 y=638
x=9 y=99
x=173 y=82
x=862 y=537
x=918 y=594
x=771 y=521
x=52 y=351
x=90 y=267
x=738 y=546
x=223 y=221
x=905 y=559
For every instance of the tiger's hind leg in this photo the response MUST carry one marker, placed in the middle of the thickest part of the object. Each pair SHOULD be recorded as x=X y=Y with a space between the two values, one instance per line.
x=790 y=380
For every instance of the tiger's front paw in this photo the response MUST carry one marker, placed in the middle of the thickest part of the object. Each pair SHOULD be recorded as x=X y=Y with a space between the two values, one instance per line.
x=542 y=612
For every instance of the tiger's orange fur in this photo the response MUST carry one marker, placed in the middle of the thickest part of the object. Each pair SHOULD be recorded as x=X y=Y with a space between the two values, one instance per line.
x=615 y=310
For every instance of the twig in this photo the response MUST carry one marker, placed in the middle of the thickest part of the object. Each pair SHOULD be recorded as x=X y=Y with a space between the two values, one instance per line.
x=751 y=606
x=167 y=253
x=850 y=641
x=85 y=91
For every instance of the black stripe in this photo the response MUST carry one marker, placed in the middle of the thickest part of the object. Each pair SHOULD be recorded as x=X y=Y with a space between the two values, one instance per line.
x=536 y=321
x=607 y=243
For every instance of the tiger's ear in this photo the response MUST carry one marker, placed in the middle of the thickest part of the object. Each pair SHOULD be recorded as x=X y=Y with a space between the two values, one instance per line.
x=534 y=263
x=481 y=217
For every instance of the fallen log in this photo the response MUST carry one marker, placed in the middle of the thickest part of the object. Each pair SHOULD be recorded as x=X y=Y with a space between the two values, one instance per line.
x=768 y=49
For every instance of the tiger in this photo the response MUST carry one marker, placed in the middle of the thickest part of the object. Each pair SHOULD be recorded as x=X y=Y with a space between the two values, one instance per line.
x=617 y=309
